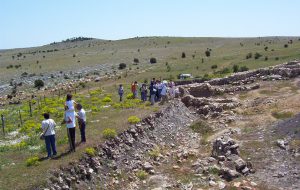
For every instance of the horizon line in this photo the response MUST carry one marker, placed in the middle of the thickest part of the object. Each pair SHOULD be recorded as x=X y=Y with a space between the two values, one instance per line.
x=230 y=37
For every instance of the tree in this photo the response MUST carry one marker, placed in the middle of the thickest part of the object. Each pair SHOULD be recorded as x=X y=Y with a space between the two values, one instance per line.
x=38 y=83
x=153 y=60
x=136 y=60
x=207 y=52
x=249 y=55
x=235 y=68
x=214 y=66
x=286 y=46
x=122 y=66
x=183 y=55
x=257 y=55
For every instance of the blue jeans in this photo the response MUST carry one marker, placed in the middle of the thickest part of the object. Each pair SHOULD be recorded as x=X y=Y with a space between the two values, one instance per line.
x=50 y=144
x=143 y=96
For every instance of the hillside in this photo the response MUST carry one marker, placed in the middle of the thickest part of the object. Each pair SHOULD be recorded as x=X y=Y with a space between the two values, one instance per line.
x=173 y=145
x=52 y=63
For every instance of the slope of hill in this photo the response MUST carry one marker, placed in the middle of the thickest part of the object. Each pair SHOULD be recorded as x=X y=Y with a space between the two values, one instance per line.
x=65 y=57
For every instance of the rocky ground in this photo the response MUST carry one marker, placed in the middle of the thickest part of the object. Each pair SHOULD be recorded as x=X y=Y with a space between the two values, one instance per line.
x=212 y=137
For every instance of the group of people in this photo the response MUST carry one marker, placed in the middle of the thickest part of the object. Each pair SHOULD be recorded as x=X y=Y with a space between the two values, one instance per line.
x=158 y=91
x=48 y=126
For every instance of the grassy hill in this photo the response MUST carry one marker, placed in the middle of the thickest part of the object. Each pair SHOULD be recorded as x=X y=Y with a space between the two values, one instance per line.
x=70 y=56
x=225 y=52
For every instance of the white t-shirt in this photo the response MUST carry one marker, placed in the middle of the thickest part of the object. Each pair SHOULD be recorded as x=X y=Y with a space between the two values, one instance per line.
x=81 y=115
x=51 y=124
x=70 y=105
x=70 y=119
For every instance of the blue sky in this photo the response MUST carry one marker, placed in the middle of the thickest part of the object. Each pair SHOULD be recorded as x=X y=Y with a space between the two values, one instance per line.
x=27 y=23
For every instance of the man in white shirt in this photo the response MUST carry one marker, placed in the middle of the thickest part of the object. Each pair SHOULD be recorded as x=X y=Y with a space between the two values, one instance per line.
x=48 y=127
x=81 y=121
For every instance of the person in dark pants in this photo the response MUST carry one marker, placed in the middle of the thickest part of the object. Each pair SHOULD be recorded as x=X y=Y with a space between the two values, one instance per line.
x=70 y=122
x=121 y=92
x=81 y=121
x=48 y=126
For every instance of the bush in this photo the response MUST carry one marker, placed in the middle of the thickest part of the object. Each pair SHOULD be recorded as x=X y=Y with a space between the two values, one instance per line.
x=183 y=55
x=266 y=58
x=130 y=96
x=141 y=174
x=90 y=151
x=225 y=70
x=136 y=60
x=107 y=99
x=249 y=55
x=153 y=60
x=33 y=161
x=282 y=114
x=286 y=46
x=214 y=66
x=109 y=133
x=235 y=68
x=38 y=83
x=133 y=119
x=122 y=66
x=207 y=53
x=154 y=153
x=276 y=58
x=257 y=55
x=244 y=68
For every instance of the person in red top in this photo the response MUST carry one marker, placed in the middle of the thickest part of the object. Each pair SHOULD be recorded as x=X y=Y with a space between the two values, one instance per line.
x=134 y=89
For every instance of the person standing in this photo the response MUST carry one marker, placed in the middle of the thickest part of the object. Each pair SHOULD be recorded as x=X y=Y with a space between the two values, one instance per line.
x=172 y=89
x=135 y=91
x=121 y=92
x=163 y=93
x=70 y=120
x=81 y=117
x=152 y=90
x=143 y=92
x=48 y=126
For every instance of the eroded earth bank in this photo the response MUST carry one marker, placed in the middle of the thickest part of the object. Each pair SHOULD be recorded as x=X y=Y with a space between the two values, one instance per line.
x=239 y=132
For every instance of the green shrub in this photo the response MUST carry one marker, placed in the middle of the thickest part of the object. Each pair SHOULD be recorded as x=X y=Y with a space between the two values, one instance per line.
x=153 y=60
x=141 y=174
x=249 y=55
x=109 y=133
x=235 y=68
x=214 y=66
x=90 y=151
x=155 y=152
x=106 y=99
x=257 y=55
x=282 y=114
x=29 y=126
x=244 y=68
x=95 y=92
x=95 y=109
x=122 y=66
x=207 y=52
x=38 y=83
x=130 y=96
x=20 y=145
x=33 y=161
x=133 y=119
